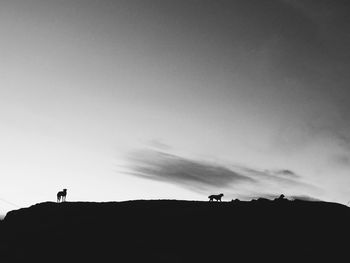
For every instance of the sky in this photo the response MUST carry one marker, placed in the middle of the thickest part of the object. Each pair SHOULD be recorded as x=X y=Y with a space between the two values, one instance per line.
x=158 y=99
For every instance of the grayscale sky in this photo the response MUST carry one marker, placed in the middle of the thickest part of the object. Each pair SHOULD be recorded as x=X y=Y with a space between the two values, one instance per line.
x=132 y=99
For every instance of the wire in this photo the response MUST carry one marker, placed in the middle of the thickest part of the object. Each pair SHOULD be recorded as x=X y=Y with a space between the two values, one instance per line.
x=9 y=203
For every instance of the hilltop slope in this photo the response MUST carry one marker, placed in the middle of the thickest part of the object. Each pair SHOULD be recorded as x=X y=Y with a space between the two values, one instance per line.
x=175 y=231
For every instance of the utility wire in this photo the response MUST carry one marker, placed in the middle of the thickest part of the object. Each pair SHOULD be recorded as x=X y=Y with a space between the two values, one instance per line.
x=9 y=203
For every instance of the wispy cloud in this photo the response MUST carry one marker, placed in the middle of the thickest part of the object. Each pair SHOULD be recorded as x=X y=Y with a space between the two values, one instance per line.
x=341 y=159
x=287 y=173
x=281 y=177
x=197 y=175
x=203 y=176
x=159 y=145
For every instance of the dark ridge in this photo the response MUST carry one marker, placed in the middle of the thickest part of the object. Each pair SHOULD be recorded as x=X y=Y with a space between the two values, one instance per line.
x=176 y=231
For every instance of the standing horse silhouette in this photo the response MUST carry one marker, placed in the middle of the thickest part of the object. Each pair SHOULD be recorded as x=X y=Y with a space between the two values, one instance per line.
x=62 y=195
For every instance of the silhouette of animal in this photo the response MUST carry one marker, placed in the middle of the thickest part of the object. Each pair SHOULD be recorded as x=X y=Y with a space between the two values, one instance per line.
x=61 y=195
x=216 y=197
x=281 y=198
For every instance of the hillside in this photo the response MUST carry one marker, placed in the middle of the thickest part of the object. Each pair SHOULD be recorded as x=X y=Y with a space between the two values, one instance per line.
x=176 y=231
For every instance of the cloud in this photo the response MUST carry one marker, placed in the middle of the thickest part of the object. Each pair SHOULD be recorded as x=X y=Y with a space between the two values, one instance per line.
x=202 y=176
x=281 y=177
x=287 y=173
x=197 y=175
x=340 y=160
x=159 y=145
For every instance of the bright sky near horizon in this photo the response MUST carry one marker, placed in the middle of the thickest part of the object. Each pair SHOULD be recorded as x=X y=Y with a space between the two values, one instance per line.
x=134 y=99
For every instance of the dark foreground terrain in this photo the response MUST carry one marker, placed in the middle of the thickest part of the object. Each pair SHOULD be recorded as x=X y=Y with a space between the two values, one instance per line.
x=177 y=231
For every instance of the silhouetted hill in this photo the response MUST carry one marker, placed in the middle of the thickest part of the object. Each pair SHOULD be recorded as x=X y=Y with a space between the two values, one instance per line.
x=176 y=231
